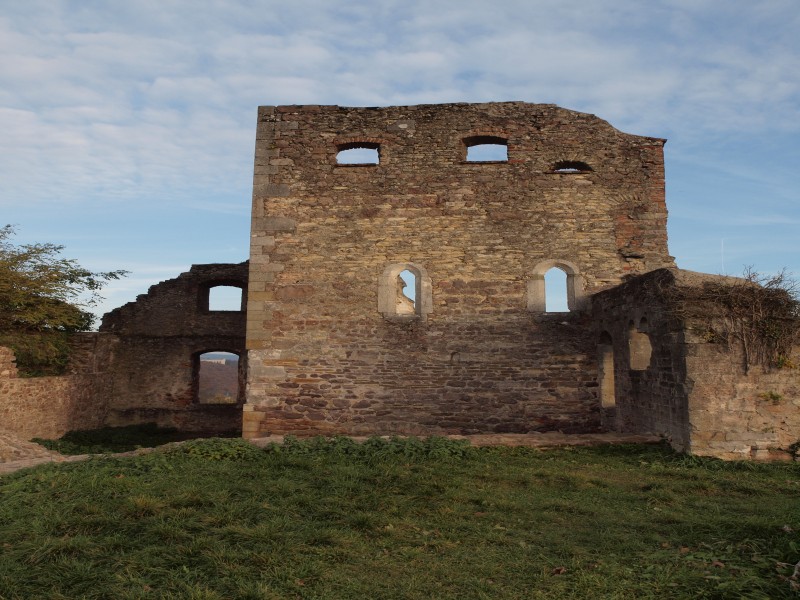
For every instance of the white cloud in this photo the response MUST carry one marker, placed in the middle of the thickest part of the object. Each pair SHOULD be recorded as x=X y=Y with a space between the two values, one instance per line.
x=153 y=103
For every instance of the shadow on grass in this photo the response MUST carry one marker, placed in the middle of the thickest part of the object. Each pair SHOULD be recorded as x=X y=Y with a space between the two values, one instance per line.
x=122 y=439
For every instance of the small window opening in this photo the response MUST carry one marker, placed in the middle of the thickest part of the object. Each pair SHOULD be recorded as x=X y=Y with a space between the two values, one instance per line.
x=218 y=378
x=225 y=298
x=406 y=293
x=556 y=286
x=555 y=291
x=486 y=149
x=571 y=166
x=641 y=350
x=358 y=153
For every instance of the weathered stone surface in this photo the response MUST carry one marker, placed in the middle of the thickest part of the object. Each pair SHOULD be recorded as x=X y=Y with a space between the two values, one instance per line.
x=154 y=368
x=48 y=407
x=693 y=392
x=478 y=357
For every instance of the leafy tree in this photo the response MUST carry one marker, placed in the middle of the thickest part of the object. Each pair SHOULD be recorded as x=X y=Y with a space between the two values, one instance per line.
x=43 y=298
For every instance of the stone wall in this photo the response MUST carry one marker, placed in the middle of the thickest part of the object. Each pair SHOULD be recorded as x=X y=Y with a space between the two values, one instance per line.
x=161 y=337
x=647 y=394
x=142 y=367
x=328 y=352
x=693 y=390
x=48 y=407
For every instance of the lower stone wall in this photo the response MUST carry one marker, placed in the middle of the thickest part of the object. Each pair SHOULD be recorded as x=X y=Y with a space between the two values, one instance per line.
x=738 y=415
x=154 y=380
x=511 y=374
x=117 y=381
x=48 y=407
x=694 y=392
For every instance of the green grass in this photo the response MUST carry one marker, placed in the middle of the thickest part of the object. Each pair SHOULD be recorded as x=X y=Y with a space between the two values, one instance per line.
x=399 y=519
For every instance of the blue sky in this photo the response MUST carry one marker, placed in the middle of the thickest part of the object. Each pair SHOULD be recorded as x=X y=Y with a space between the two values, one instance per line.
x=128 y=127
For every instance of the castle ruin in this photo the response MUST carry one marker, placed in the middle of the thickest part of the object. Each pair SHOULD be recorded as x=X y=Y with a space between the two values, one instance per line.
x=396 y=285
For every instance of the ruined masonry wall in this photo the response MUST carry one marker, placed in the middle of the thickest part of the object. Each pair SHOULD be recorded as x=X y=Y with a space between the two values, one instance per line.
x=736 y=415
x=322 y=358
x=694 y=392
x=48 y=407
x=161 y=335
x=653 y=399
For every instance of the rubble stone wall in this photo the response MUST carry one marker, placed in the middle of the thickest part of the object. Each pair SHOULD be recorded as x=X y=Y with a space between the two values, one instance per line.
x=651 y=396
x=693 y=390
x=325 y=352
x=48 y=407
x=161 y=336
x=738 y=415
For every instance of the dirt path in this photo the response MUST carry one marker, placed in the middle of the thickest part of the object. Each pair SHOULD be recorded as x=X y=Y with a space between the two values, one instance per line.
x=16 y=453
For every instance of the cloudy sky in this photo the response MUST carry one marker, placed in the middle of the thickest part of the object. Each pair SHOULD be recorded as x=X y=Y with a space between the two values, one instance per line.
x=128 y=127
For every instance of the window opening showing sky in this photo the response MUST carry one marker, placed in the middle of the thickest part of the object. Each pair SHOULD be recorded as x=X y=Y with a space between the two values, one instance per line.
x=358 y=156
x=555 y=291
x=487 y=152
x=225 y=297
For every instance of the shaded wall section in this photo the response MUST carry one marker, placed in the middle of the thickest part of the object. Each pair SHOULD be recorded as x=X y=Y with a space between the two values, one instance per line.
x=161 y=337
x=693 y=389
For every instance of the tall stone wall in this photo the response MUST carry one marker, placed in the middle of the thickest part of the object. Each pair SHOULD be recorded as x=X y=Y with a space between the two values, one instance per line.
x=693 y=389
x=161 y=337
x=329 y=351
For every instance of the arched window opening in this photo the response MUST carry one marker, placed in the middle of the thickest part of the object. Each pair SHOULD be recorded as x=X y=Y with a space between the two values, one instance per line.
x=218 y=377
x=486 y=148
x=605 y=367
x=641 y=350
x=406 y=296
x=358 y=153
x=555 y=291
x=404 y=292
x=224 y=297
x=571 y=167
x=562 y=292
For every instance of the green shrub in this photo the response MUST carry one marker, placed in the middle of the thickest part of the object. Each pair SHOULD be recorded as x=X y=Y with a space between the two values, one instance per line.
x=219 y=449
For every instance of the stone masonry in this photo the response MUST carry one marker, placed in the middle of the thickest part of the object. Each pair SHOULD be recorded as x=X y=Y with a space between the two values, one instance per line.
x=667 y=376
x=326 y=352
x=405 y=294
x=160 y=338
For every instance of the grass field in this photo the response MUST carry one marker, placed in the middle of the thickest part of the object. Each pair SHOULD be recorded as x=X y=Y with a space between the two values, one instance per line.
x=216 y=519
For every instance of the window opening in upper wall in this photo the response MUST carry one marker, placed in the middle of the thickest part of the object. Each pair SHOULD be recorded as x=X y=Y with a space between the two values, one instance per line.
x=406 y=296
x=358 y=153
x=225 y=298
x=486 y=149
x=555 y=291
x=571 y=167
x=218 y=377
